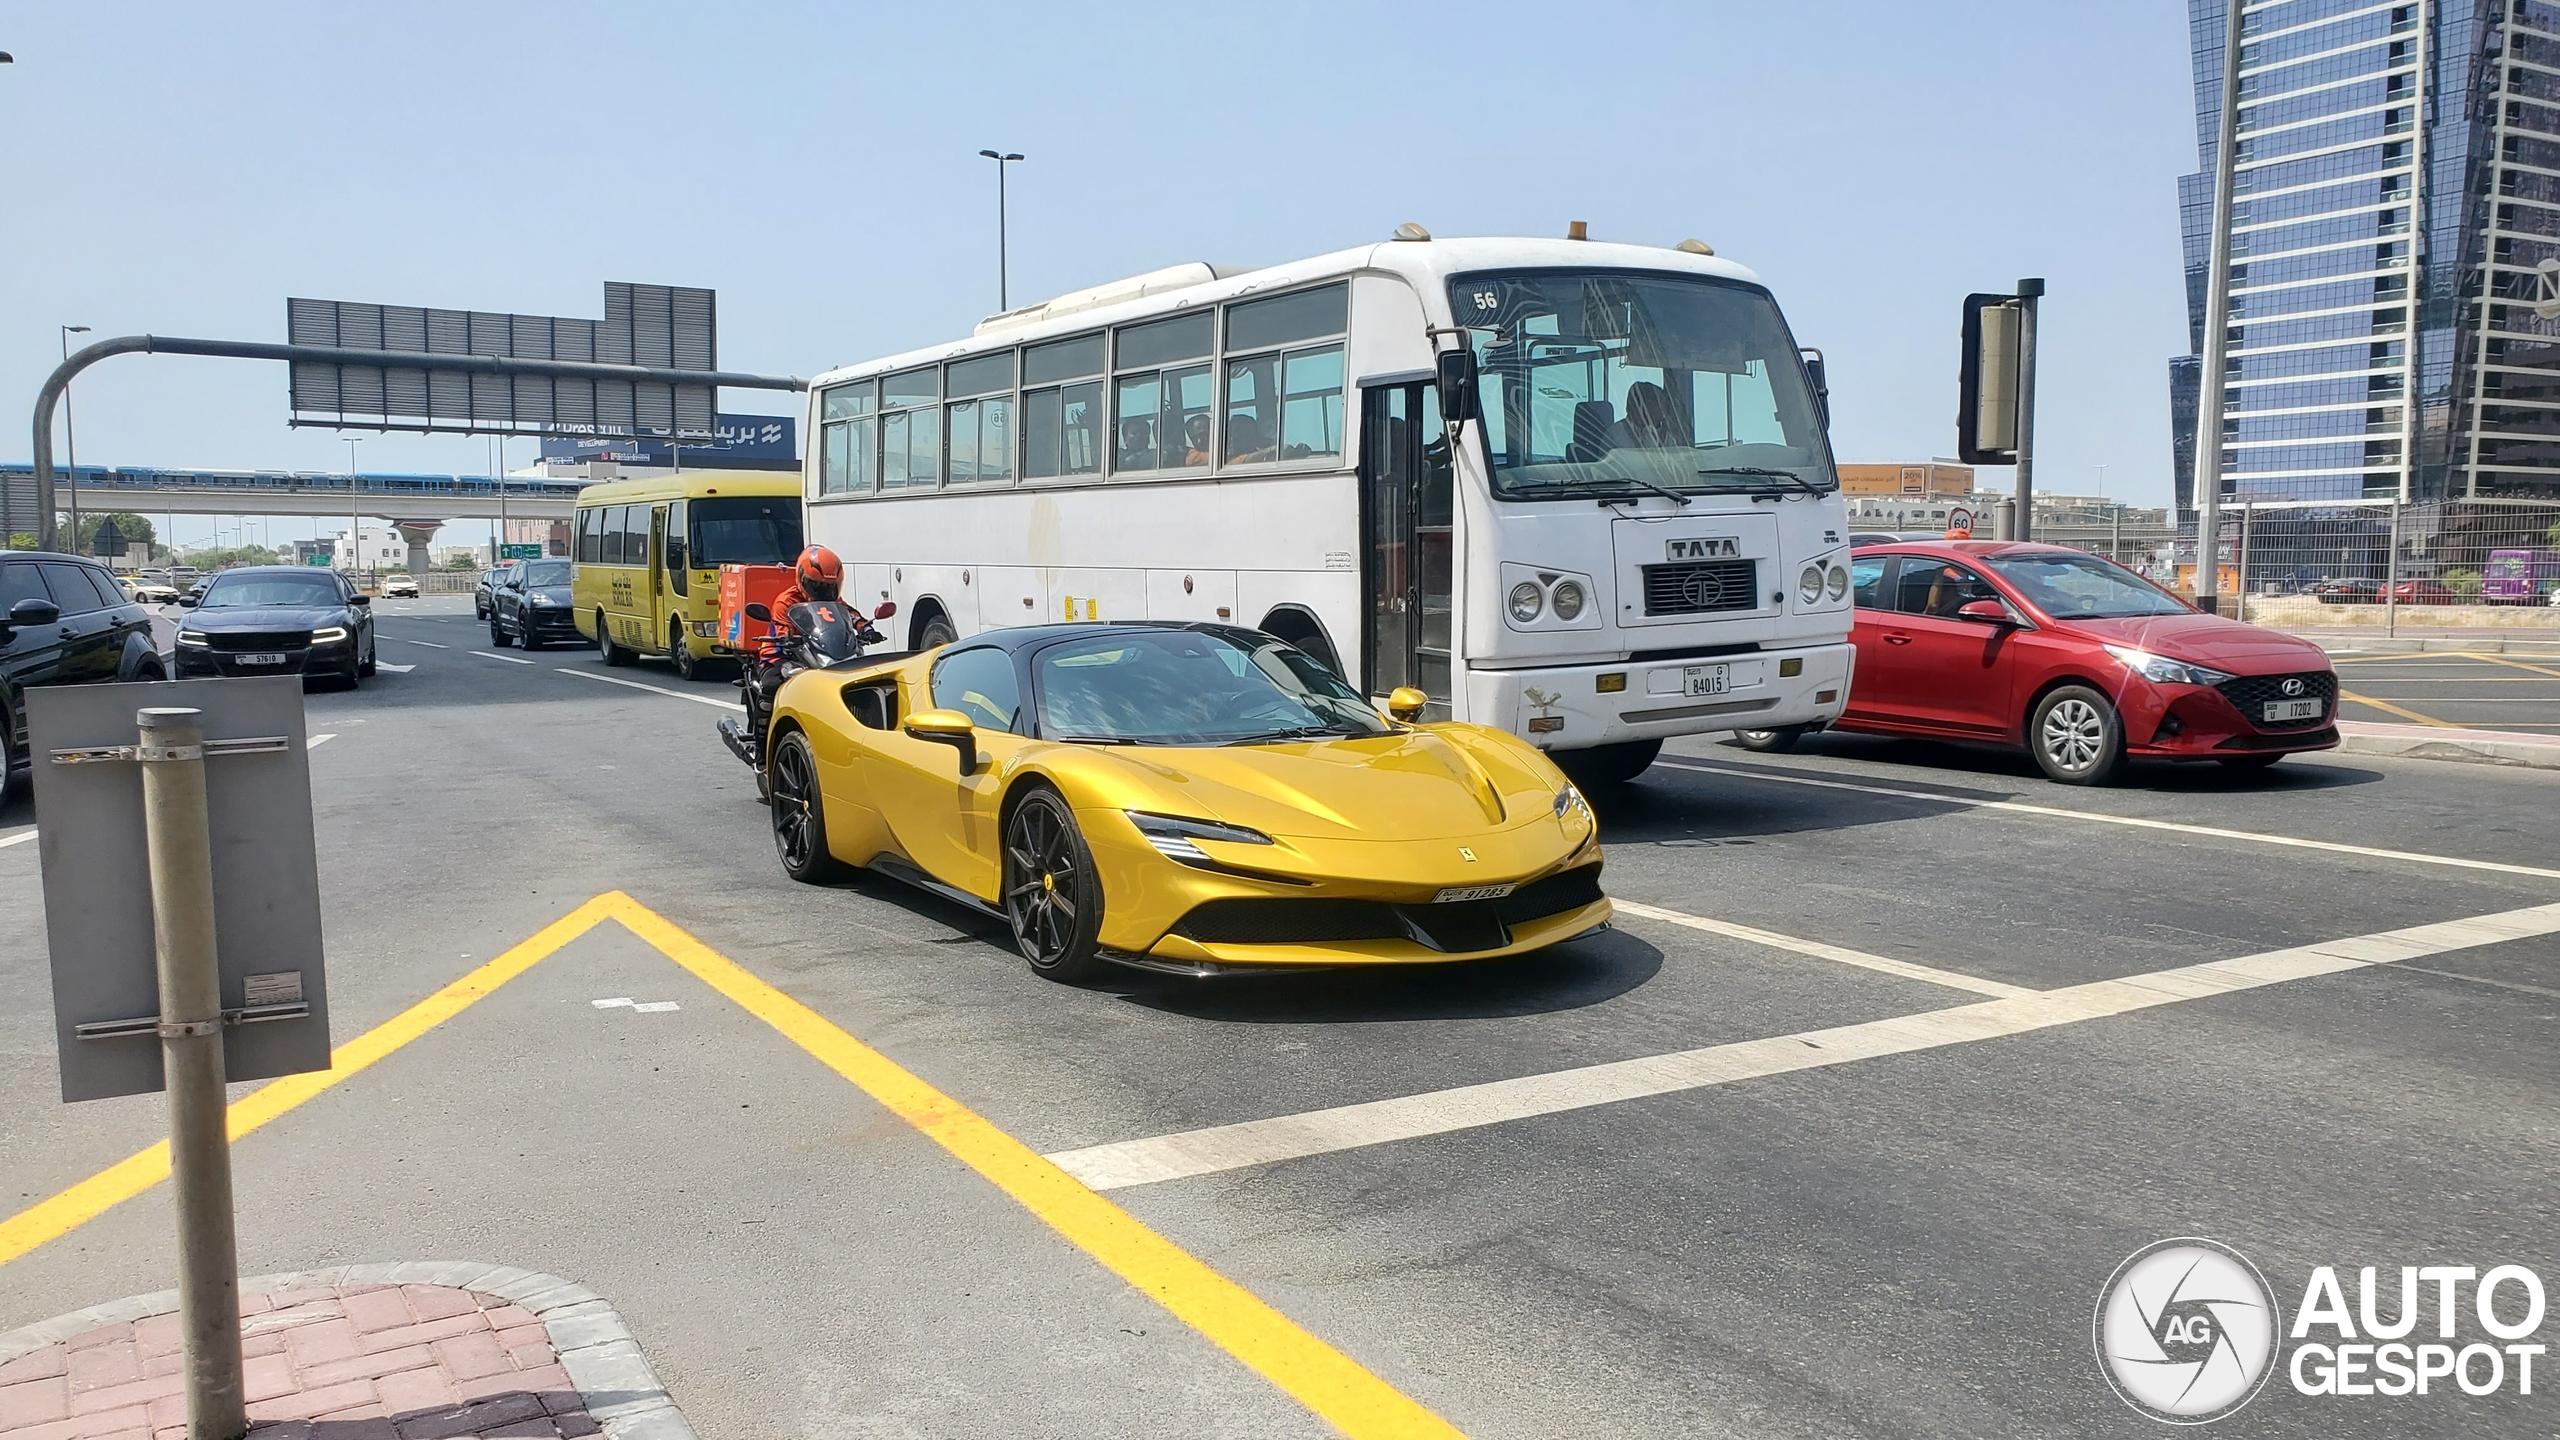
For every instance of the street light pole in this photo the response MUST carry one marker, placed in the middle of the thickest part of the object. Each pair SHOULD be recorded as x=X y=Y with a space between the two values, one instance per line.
x=355 y=521
x=1004 y=278
x=71 y=441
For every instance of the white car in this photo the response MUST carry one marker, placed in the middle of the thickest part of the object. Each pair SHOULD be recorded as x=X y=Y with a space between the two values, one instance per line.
x=400 y=585
x=149 y=592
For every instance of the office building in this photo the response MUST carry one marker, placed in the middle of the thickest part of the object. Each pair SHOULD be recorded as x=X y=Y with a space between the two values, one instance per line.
x=2395 y=194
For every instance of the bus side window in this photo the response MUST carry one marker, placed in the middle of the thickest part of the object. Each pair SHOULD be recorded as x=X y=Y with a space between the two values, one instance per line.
x=590 y=534
x=675 y=548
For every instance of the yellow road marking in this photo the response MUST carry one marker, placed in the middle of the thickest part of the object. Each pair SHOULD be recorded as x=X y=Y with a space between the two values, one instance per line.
x=1316 y=1375
x=2389 y=708
x=2518 y=664
x=58 y=1216
x=1326 y=1381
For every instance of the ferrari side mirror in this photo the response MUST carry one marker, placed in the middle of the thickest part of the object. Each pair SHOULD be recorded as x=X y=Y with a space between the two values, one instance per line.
x=1406 y=704
x=946 y=727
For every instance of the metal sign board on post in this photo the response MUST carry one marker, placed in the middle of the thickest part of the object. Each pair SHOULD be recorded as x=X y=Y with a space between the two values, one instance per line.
x=266 y=886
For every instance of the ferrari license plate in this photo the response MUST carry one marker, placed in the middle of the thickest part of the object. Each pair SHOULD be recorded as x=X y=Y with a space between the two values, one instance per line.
x=1456 y=893
x=1706 y=679
x=260 y=658
x=2293 y=710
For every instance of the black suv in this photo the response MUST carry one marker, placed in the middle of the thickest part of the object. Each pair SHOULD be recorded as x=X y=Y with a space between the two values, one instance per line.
x=63 y=621
x=531 y=606
x=484 y=596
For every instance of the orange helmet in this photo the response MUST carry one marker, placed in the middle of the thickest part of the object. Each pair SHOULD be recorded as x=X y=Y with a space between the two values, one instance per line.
x=819 y=573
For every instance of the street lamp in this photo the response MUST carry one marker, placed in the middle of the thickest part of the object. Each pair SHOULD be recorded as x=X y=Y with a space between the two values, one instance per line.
x=355 y=521
x=1004 y=286
x=71 y=442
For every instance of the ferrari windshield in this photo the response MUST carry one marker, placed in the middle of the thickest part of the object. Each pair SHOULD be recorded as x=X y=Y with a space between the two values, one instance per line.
x=1190 y=687
x=2083 y=587
x=1631 y=382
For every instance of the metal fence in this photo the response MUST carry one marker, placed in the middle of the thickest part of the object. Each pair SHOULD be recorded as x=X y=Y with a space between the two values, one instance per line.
x=2454 y=565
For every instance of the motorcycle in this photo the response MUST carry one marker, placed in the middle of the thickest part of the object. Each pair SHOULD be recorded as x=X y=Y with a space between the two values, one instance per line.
x=814 y=635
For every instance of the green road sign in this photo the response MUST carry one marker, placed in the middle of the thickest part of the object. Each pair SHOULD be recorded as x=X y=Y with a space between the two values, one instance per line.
x=318 y=558
x=520 y=552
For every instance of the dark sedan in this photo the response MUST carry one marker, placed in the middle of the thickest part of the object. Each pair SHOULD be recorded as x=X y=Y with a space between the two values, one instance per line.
x=276 y=620
x=532 y=606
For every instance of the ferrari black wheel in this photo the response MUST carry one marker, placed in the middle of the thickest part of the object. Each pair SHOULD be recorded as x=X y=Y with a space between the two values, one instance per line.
x=799 y=813
x=1052 y=895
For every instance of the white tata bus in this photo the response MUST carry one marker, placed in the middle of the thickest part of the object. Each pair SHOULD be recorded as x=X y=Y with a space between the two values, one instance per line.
x=1631 y=528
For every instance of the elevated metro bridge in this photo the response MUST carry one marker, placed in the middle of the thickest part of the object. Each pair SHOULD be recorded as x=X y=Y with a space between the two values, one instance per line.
x=392 y=497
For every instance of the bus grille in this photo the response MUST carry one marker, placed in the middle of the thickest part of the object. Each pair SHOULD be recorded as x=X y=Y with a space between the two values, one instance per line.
x=1697 y=589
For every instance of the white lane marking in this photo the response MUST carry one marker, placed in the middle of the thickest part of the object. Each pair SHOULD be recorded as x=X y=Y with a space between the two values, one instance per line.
x=2017 y=807
x=19 y=837
x=617 y=1000
x=654 y=1007
x=394 y=669
x=494 y=655
x=1819 y=950
x=430 y=644
x=1348 y=1127
x=316 y=741
x=652 y=689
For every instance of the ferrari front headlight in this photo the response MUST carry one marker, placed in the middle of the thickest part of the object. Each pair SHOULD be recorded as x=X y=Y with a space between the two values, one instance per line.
x=1527 y=601
x=1172 y=835
x=1569 y=800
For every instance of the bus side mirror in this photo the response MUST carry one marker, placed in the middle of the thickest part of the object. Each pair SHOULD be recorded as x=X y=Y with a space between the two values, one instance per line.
x=1406 y=704
x=1458 y=385
x=1819 y=376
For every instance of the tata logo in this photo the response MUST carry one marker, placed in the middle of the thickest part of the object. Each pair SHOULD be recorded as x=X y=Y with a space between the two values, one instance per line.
x=1707 y=547
x=2292 y=685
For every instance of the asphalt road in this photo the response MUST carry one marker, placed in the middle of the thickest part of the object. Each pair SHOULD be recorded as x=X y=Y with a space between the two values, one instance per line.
x=1909 y=1243
x=2478 y=692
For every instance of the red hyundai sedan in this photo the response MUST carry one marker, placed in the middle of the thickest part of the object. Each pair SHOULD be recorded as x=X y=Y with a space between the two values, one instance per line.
x=2074 y=657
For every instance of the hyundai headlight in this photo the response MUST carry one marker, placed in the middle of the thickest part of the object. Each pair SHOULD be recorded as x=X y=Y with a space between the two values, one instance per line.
x=1527 y=601
x=1172 y=835
x=1568 y=599
x=193 y=641
x=2161 y=670
x=1837 y=581
x=1809 y=584
x=329 y=635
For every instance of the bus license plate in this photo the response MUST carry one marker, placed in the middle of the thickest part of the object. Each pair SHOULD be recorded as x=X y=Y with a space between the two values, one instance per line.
x=1706 y=679
x=2293 y=710
x=261 y=658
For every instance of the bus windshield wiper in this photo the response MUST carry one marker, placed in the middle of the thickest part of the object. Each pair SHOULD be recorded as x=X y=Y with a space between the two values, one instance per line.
x=1664 y=491
x=1763 y=472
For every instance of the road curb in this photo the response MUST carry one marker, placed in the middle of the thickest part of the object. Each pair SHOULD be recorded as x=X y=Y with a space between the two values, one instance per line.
x=603 y=1360
x=2486 y=644
x=2476 y=747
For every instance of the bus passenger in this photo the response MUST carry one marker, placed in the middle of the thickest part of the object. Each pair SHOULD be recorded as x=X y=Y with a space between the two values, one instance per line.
x=1245 y=442
x=1195 y=433
x=1137 y=444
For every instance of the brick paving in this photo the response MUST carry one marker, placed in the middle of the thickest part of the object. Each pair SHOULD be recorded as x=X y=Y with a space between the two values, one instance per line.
x=352 y=1362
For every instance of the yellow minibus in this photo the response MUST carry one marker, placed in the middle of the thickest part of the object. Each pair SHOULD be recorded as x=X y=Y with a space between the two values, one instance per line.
x=649 y=554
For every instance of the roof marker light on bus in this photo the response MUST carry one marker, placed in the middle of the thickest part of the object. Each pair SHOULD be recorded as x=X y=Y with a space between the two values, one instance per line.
x=1695 y=247
x=1578 y=230
x=1410 y=230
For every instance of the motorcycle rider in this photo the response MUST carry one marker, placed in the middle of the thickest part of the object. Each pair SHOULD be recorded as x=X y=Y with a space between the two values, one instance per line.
x=817 y=579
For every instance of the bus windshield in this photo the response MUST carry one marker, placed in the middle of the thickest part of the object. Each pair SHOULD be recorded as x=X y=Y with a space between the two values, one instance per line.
x=1602 y=383
x=745 y=530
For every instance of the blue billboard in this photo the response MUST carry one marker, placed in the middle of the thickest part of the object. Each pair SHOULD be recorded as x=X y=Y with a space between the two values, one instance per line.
x=749 y=442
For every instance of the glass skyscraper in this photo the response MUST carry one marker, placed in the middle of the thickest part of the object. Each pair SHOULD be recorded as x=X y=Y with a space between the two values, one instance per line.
x=2395 y=194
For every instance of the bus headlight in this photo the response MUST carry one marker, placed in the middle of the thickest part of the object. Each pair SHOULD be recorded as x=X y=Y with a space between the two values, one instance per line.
x=1568 y=599
x=1527 y=601
x=1809 y=584
x=1838 y=582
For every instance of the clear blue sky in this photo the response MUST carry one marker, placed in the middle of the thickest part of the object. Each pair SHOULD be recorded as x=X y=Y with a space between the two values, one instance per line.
x=183 y=169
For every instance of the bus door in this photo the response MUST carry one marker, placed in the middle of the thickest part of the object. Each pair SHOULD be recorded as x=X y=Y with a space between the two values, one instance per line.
x=1407 y=544
x=653 y=610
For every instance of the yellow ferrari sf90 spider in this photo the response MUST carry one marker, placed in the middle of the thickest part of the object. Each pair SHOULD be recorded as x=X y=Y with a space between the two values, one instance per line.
x=1192 y=798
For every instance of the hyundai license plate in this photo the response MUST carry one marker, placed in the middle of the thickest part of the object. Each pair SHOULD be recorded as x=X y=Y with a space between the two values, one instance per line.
x=1472 y=892
x=2277 y=710
x=262 y=657
x=1706 y=679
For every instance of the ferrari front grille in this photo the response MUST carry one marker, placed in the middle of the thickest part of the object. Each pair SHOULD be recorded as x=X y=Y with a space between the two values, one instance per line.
x=1455 y=928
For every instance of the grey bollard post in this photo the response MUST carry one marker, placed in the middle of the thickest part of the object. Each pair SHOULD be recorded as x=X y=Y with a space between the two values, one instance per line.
x=181 y=850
